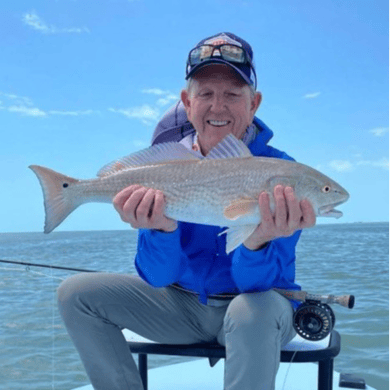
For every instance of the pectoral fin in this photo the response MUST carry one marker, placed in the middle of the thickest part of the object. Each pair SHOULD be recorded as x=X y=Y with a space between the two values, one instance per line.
x=236 y=235
x=240 y=207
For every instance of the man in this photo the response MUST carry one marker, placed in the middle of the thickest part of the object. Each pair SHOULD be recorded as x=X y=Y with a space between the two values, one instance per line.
x=189 y=289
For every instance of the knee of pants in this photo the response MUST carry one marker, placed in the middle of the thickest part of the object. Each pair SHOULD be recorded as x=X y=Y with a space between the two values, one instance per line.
x=259 y=310
x=70 y=291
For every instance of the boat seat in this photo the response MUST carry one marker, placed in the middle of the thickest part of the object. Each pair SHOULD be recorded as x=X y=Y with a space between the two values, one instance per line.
x=298 y=350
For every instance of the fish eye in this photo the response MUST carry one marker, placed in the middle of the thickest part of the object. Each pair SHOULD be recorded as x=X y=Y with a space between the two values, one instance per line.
x=326 y=189
x=65 y=185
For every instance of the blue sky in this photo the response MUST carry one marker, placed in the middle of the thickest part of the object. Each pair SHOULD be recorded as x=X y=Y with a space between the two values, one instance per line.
x=83 y=82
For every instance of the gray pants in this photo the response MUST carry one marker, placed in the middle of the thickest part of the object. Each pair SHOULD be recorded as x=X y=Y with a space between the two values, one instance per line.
x=96 y=306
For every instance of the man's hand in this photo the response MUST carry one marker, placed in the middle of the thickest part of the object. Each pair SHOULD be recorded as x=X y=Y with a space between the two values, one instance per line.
x=143 y=208
x=289 y=216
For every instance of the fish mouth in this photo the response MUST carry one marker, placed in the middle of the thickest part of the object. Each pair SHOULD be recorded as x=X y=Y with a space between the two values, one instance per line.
x=330 y=211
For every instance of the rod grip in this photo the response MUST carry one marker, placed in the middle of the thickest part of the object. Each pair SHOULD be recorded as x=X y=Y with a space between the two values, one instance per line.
x=346 y=301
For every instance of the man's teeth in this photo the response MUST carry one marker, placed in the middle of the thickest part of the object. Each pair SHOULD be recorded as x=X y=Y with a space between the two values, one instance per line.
x=218 y=123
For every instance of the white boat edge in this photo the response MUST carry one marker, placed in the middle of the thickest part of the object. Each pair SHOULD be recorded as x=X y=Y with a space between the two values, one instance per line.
x=198 y=374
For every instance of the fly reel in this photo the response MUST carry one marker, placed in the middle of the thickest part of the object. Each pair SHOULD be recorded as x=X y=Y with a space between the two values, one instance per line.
x=314 y=320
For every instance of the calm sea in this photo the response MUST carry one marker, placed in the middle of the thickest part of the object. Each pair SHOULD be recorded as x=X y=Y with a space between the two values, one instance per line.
x=36 y=353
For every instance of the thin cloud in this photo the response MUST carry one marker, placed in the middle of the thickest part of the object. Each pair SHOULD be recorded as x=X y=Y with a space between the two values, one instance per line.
x=382 y=163
x=166 y=100
x=166 y=97
x=379 y=131
x=348 y=166
x=71 y=113
x=21 y=105
x=18 y=100
x=341 y=165
x=24 y=106
x=312 y=95
x=146 y=114
x=155 y=91
x=27 y=111
x=35 y=22
x=34 y=111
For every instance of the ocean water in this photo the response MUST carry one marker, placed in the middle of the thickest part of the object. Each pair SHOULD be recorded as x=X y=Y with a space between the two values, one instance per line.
x=37 y=354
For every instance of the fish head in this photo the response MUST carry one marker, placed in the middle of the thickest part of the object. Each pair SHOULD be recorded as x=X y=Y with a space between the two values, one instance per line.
x=324 y=194
x=334 y=195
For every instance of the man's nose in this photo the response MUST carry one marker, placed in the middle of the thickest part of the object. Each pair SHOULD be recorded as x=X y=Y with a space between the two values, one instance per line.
x=218 y=103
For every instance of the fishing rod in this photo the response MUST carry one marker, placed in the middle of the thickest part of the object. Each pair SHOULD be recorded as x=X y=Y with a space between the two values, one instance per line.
x=46 y=266
x=313 y=319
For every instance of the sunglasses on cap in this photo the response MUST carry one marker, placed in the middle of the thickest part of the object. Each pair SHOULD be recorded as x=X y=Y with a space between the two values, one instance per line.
x=226 y=51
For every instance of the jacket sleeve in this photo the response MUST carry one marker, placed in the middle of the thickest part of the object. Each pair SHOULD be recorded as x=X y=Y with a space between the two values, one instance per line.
x=273 y=266
x=159 y=260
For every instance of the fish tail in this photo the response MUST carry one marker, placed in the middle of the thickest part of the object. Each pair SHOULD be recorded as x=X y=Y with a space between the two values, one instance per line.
x=58 y=201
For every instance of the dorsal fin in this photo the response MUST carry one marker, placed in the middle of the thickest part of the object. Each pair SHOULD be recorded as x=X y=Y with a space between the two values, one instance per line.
x=157 y=154
x=229 y=147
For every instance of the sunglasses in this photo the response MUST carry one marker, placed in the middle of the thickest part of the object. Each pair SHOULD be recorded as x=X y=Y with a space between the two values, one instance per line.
x=226 y=51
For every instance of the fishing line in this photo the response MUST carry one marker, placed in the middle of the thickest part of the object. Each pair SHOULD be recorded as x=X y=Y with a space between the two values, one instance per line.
x=43 y=274
x=11 y=269
x=52 y=277
x=52 y=327
x=292 y=360
x=27 y=269
x=289 y=365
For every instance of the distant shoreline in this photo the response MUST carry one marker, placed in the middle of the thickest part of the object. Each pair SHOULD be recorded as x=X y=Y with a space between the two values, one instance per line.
x=130 y=229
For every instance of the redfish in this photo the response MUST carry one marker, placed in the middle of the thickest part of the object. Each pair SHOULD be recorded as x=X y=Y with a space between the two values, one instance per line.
x=221 y=189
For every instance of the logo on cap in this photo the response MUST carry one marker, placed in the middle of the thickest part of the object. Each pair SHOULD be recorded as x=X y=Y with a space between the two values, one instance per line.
x=220 y=40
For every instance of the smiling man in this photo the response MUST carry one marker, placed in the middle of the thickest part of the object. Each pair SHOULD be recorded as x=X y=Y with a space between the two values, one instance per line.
x=219 y=102
x=189 y=289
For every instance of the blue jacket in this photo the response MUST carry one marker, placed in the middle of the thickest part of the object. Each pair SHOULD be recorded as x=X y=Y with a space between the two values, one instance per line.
x=194 y=255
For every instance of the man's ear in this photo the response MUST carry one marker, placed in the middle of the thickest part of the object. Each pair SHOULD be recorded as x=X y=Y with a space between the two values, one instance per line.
x=186 y=101
x=255 y=104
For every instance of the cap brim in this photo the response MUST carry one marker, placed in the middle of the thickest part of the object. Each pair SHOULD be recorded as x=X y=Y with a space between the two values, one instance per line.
x=219 y=61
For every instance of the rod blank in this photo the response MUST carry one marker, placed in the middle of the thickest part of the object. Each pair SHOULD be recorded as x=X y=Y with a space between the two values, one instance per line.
x=302 y=296
x=45 y=266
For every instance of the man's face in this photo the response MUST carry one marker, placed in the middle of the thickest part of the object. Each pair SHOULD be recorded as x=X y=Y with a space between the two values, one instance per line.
x=219 y=103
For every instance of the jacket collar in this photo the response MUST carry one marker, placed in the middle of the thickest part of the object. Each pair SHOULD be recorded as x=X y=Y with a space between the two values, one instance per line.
x=259 y=144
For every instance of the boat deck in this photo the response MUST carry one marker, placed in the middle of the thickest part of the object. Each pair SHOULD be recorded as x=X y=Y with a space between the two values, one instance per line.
x=198 y=374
